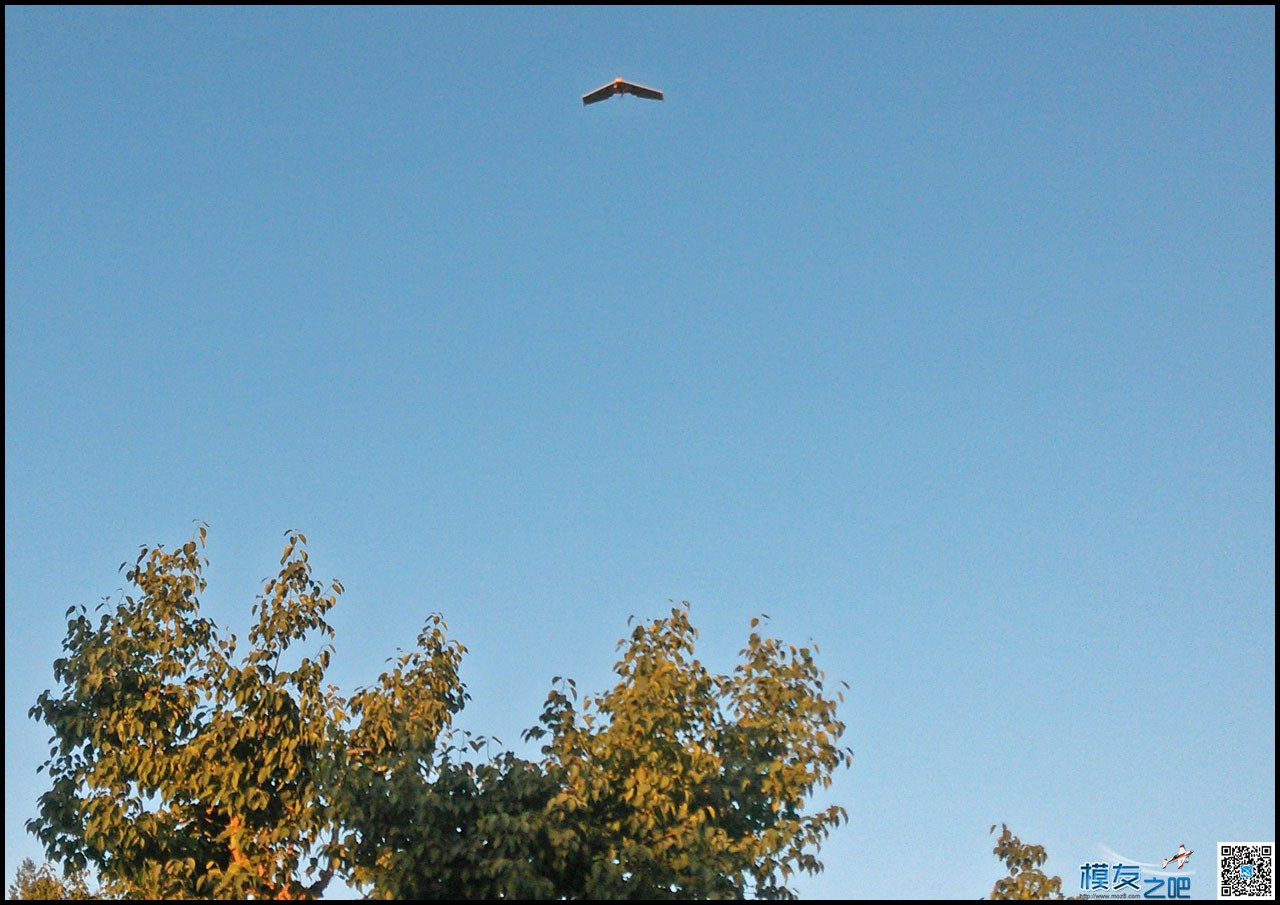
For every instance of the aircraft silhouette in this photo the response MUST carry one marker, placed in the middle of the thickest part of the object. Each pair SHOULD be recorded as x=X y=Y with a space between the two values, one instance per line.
x=1181 y=857
x=620 y=87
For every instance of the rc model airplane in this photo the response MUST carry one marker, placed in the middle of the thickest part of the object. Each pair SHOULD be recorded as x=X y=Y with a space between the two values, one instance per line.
x=621 y=87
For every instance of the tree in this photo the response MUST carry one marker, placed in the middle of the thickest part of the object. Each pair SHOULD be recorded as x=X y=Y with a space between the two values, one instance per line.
x=178 y=771
x=1025 y=880
x=680 y=783
x=181 y=770
x=42 y=883
x=675 y=783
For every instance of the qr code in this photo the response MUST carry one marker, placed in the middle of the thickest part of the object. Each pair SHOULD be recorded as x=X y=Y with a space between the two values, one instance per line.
x=1246 y=870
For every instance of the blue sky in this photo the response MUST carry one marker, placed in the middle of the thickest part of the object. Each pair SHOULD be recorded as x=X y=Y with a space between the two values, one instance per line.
x=946 y=337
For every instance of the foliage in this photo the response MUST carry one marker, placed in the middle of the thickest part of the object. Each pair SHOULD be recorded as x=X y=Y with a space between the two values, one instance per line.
x=1025 y=880
x=676 y=783
x=42 y=883
x=181 y=770
x=680 y=783
x=177 y=770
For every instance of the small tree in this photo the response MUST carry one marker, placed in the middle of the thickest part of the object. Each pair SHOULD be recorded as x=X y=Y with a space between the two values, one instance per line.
x=42 y=883
x=1025 y=880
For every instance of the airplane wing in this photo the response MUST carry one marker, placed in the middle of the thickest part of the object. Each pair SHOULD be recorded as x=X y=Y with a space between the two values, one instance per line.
x=652 y=94
x=600 y=94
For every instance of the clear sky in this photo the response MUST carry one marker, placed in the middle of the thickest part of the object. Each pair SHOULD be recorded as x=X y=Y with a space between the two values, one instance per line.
x=946 y=337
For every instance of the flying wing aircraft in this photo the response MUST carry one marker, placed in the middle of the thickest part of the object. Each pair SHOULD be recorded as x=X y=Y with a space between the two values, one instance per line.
x=620 y=87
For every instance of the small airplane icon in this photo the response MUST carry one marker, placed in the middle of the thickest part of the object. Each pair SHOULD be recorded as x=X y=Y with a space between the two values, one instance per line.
x=621 y=87
x=1181 y=857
